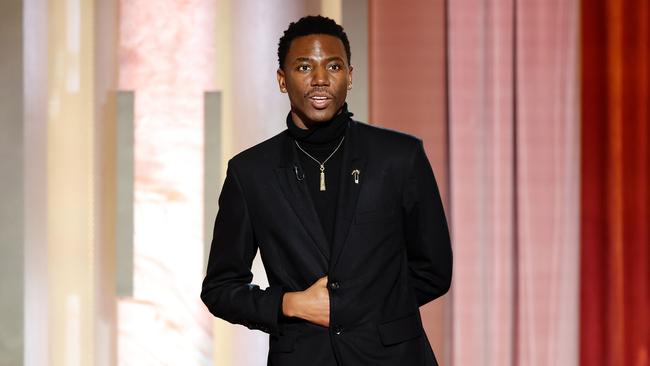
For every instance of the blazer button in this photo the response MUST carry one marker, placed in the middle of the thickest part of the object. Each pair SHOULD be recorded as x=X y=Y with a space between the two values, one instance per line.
x=338 y=330
x=334 y=285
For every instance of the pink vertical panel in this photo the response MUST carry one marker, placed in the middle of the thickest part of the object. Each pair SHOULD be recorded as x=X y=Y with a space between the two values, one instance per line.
x=167 y=56
x=548 y=181
x=514 y=201
x=407 y=73
x=407 y=93
x=481 y=158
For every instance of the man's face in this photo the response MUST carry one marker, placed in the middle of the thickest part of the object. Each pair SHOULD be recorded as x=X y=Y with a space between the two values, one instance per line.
x=316 y=75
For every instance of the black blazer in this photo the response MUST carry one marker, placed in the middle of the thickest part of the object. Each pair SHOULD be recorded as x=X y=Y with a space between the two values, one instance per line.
x=390 y=255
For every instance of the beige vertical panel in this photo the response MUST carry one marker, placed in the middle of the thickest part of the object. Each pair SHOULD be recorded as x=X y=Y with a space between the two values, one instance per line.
x=332 y=9
x=69 y=77
x=105 y=31
x=222 y=351
x=223 y=74
x=70 y=169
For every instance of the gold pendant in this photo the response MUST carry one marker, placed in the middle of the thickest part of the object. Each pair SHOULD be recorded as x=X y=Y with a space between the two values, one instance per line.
x=322 y=180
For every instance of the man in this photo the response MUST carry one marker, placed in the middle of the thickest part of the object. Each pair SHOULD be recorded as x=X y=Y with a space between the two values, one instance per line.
x=347 y=218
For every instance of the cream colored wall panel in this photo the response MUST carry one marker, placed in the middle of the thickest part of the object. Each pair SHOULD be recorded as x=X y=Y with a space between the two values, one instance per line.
x=332 y=9
x=70 y=169
x=68 y=108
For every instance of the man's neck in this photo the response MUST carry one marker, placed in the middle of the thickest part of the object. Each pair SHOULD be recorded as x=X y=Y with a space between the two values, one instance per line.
x=320 y=132
x=305 y=124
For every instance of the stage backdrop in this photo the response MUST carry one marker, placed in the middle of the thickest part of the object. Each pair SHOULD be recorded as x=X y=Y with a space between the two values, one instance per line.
x=513 y=91
x=615 y=272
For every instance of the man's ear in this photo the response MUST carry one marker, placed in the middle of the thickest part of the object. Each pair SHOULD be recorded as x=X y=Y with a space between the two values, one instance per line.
x=281 y=80
x=350 y=77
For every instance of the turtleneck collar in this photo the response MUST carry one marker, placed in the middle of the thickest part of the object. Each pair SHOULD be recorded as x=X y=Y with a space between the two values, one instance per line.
x=324 y=132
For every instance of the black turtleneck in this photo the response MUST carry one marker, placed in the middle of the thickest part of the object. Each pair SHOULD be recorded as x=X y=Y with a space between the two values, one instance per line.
x=319 y=141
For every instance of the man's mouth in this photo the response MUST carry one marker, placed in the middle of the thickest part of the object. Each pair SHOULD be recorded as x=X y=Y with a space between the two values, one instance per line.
x=320 y=101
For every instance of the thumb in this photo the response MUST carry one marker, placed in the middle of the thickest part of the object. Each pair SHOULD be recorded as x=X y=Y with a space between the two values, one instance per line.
x=322 y=282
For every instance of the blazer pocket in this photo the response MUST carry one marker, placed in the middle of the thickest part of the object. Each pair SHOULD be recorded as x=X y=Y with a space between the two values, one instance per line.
x=400 y=330
x=384 y=214
x=283 y=343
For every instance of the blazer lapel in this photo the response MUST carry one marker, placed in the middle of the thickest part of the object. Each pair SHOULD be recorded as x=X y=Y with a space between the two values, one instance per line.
x=295 y=191
x=349 y=188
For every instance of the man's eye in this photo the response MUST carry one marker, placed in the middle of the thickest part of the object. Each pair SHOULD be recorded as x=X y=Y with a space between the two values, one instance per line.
x=335 y=67
x=303 y=68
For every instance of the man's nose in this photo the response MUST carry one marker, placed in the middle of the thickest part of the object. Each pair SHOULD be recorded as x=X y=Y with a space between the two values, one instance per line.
x=320 y=77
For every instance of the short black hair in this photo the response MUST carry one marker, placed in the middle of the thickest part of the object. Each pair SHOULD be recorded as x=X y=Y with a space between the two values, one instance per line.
x=311 y=25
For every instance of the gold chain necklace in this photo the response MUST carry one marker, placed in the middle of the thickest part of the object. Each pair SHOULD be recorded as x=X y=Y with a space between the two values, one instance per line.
x=322 y=165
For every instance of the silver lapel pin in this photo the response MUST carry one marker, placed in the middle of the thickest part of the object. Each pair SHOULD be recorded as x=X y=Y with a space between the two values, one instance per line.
x=356 y=173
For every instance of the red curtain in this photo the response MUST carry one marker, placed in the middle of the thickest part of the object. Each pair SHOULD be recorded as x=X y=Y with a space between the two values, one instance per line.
x=615 y=222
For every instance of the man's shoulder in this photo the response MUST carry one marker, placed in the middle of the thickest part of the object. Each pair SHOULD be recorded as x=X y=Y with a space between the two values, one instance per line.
x=387 y=139
x=267 y=151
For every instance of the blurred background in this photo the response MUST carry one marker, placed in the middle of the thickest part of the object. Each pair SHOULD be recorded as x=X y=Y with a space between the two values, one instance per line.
x=118 y=117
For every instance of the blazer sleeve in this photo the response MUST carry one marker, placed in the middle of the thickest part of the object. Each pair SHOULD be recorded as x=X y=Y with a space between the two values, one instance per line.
x=227 y=290
x=428 y=246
